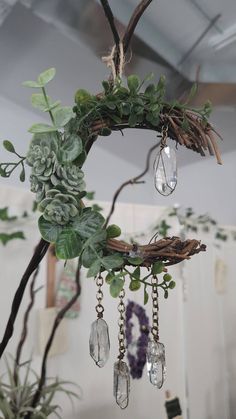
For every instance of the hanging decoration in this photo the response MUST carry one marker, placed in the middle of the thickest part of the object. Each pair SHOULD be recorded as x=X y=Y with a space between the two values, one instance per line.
x=56 y=156
x=165 y=167
x=99 y=342
x=121 y=369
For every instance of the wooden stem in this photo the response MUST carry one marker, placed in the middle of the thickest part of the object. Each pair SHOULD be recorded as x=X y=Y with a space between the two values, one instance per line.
x=140 y=9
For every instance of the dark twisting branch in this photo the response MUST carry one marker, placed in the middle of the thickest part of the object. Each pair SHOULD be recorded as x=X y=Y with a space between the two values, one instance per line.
x=25 y=327
x=57 y=321
x=110 y=18
x=140 y=9
x=39 y=253
x=132 y=181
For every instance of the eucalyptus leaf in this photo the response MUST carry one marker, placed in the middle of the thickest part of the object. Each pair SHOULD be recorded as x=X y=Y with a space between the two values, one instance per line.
x=135 y=261
x=68 y=244
x=89 y=256
x=116 y=286
x=136 y=273
x=134 y=285
x=41 y=128
x=71 y=149
x=146 y=296
x=9 y=146
x=32 y=84
x=157 y=268
x=94 y=269
x=46 y=76
x=112 y=261
x=22 y=174
x=49 y=231
x=38 y=101
x=62 y=116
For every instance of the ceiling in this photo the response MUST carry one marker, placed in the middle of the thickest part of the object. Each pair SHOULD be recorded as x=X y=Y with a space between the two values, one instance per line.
x=72 y=34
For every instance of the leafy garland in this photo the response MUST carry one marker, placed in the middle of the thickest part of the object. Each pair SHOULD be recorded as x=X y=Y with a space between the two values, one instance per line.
x=56 y=155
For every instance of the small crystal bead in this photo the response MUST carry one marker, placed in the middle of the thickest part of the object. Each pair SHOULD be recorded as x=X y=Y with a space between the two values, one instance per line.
x=156 y=363
x=99 y=342
x=165 y=171
x=121 y=384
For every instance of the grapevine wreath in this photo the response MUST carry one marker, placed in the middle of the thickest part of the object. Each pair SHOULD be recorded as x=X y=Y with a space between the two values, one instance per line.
x=56 y=156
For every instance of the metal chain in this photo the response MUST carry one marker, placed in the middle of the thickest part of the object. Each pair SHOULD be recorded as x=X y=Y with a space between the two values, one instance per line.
x=164 y=136
x=99 y=297
x=155 y=309
x=121 y=324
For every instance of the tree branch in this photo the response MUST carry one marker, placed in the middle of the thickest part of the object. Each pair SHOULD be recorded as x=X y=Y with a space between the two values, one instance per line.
x=110 y=18
x=140 y=9
x=25 y=327
x=39 y=253
x=132 y=181
x=57 y=321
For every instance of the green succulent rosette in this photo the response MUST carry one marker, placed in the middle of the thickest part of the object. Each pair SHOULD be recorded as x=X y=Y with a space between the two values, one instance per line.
x=42 y=156
x=58 y=207
x=71 y=177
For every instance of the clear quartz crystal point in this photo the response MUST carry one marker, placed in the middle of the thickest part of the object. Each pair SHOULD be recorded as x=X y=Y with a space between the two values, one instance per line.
x=156 y=363
x=99 y=342
x=121 y=384
x=165 y=171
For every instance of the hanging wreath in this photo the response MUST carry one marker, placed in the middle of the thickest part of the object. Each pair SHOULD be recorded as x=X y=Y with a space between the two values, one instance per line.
x=56 y=156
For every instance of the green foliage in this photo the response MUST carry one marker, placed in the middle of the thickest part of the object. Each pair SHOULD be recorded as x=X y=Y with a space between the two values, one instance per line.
x=113 y=231
x=16 y=398
x=116 y=286
x=7 y=237
x=4 y=216
x=56 y=155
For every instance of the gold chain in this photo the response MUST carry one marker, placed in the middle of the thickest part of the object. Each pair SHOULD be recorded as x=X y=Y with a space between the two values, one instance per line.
x=99 y=297
x=121 y=324
x=155 y=309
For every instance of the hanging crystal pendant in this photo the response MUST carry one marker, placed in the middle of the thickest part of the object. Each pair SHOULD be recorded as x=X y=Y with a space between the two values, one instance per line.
x=156 y=363
x=99 y=342
x=165 y=171
x=121 y=384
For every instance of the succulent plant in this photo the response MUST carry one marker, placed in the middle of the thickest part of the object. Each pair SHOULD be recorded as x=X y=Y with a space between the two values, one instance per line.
x=58 y=208
x=42 y=156
x=70 y=177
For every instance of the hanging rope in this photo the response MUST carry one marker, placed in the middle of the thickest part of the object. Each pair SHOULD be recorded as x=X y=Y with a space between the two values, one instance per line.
x=110 y=61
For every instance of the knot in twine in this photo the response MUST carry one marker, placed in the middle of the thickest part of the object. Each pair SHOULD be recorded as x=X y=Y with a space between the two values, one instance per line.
x=109 y=60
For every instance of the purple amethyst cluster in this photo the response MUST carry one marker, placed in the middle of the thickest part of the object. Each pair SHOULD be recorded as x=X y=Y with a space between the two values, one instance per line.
x=137 y=362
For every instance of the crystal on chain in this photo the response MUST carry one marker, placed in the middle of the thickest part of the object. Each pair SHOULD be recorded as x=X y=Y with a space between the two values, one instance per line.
x=156 y=363
x=99 y=342
x=165 y=171
x=121 y=384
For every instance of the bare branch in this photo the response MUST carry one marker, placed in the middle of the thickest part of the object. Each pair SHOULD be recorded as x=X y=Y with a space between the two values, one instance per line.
x=140 y=9
x=132 y=181
x=39 y=253
x=25 y=327
x=110 y=18
x=57 y=321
